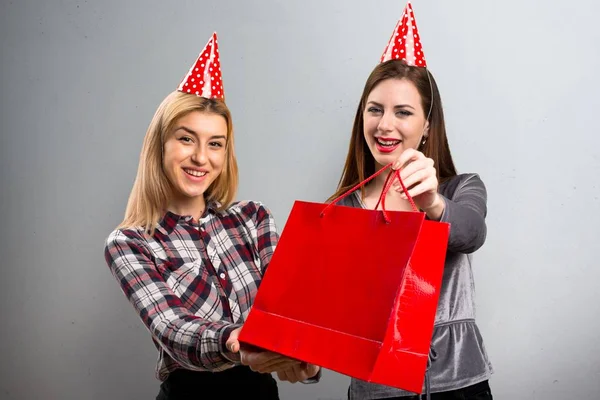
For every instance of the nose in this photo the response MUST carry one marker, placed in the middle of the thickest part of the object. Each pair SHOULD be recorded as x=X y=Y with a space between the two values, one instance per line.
x=199 y=156
x=385 y=123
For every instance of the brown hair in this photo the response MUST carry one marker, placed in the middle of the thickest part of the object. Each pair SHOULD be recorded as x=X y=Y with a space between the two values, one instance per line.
x=360 y=163
x=151 y=190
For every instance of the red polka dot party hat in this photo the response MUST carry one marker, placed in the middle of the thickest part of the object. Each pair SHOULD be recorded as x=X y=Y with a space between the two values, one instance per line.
x=204 y=77
x=405 y=43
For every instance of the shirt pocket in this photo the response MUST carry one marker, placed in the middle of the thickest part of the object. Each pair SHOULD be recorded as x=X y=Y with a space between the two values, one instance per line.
x=243 y=244
x=187 y=280
x=195 y=286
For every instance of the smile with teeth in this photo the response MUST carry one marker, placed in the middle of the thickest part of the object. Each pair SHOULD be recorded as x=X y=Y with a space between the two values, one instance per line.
x=387 y=143
x=195 y=173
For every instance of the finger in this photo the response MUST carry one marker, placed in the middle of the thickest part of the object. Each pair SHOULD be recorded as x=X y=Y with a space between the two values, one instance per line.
x=232 y=341
x=412 y=178
x=256 y=357
x=416 y=191
x=301 y=373
x=312 y=370
x=409 y=171
x=268 y=361
x=426 y=186
x=282 y=375
x=278 y=362
x=282 y=364
x=292 y=375
x=255 y=360
x=414 y=166
x=233 y=346
x=407 y=156
x=415 y=178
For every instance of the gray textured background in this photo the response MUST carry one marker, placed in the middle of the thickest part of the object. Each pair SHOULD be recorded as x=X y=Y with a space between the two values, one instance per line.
x=80 y=81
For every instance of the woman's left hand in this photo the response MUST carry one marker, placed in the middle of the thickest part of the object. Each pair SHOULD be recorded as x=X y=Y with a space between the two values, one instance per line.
x=419 y=176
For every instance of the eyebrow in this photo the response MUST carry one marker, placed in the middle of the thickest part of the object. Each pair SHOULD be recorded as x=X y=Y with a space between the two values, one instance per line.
x=192 y=132
x=188 y=130
x=396 y=106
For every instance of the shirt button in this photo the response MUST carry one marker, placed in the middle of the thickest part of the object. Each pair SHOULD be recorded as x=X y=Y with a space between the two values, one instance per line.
x=222 y=275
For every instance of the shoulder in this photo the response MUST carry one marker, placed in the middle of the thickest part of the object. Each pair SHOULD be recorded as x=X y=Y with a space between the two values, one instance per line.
x=352 y=200
x=128 y=234
x=461 y=183
x=122 y=241
x=247 y=210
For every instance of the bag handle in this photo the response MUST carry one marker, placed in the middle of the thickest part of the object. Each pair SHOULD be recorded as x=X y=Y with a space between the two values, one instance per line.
x=386 y=187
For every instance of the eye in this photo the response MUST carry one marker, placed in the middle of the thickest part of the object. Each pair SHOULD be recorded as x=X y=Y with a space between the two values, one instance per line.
x=404 y=113
x=186 y=139
x=216 y=144
x=374 y=110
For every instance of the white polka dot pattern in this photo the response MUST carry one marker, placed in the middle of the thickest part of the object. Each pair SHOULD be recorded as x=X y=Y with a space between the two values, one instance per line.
x=204 y=77
x=405 y=43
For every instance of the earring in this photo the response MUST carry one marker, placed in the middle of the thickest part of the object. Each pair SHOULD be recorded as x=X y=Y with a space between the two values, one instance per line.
x=423 y=142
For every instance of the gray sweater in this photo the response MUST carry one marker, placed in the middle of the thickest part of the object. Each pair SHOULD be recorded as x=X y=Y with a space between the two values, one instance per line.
x=461 y=356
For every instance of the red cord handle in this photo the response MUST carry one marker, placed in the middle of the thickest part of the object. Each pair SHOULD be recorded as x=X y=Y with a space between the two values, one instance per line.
x=386 y=187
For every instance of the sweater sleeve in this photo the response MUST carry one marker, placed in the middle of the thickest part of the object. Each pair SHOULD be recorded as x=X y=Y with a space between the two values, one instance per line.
x=465 y=210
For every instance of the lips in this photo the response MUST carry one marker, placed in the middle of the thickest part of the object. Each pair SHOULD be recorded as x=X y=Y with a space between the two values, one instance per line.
x=195 y=174
x=387 y=145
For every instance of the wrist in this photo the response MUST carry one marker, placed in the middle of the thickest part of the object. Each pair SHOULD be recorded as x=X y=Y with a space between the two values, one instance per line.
x=435 y=211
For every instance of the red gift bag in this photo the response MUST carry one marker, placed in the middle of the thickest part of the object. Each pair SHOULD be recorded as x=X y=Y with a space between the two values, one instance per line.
x=353 y=290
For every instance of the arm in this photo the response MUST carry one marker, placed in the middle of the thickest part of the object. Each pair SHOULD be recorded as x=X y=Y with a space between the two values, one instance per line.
x=462 y=204
x=193 y=342
x=267 y=236
x=466 y=211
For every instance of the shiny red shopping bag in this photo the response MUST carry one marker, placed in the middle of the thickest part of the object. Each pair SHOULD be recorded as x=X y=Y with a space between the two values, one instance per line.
x=353 y=290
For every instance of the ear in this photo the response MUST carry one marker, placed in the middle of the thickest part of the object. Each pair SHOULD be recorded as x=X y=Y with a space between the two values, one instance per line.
x=426 y=130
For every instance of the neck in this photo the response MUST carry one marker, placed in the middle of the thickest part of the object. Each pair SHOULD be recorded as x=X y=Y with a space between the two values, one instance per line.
x=393 y=200
x=188 y=206
x=377 y=183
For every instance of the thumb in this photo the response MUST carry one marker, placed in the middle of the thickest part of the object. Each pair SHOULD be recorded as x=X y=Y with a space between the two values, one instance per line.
x=232 y=342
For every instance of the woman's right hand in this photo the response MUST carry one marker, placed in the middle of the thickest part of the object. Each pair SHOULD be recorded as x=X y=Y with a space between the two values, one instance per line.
x=259 y=360
x=233 y=343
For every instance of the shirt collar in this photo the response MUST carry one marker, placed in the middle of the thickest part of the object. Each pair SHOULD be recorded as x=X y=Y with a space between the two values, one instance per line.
x=170 y=220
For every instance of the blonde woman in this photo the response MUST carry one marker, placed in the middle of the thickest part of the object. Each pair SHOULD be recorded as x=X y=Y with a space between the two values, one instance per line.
x=188 y=259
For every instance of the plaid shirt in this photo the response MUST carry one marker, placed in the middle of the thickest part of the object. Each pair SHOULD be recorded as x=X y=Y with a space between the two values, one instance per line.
x=193 y=282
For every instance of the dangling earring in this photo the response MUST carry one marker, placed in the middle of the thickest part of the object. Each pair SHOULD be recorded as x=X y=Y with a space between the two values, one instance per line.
x=423 y=142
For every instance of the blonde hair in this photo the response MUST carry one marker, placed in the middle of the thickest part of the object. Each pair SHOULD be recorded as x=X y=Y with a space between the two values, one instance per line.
x=152 y=190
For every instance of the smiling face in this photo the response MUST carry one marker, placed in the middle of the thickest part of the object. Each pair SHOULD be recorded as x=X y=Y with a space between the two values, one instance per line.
x=394 y=120
x=194 y=156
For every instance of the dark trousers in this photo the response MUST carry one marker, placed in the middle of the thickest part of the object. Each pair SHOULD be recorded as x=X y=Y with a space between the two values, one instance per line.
x=478 y=391
x=235 y=383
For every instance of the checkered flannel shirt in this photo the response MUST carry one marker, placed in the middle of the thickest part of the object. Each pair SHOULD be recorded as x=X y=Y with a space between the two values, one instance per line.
x=193 y=282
